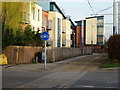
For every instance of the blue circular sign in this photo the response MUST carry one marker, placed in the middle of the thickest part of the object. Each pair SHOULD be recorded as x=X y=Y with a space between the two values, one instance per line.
x=45 y=36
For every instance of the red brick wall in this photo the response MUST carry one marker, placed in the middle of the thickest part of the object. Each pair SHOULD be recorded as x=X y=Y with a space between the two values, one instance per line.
x=78 y=36
x=45 y=15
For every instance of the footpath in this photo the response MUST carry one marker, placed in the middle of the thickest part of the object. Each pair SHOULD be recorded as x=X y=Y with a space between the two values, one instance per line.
x=40 y=66
x=50 y=66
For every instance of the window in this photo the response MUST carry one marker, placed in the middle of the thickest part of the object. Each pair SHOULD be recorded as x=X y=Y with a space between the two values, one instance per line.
x=100 y=22
x=44 y=22
x=38 y=14
x=59 y=24
x=100 y=31
x=33 y=28
x=59 y=34
x=33 y=13
x=50 y=24
x=38 y=29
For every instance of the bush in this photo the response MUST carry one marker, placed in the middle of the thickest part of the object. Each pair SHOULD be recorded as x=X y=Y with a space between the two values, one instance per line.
x=114 y=47
x=7 y=37
x=26 y=38
x=103 y=46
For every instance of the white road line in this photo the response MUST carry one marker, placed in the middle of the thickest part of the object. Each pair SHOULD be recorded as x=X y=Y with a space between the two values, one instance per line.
x=73 y=80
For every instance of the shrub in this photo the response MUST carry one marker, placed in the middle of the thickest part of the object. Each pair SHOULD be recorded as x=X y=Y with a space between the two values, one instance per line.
x=114 y=47
x=26 y=38
x=103 y=46
x=7 y=37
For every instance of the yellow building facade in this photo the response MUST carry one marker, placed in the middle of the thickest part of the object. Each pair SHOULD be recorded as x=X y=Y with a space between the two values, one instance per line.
x=66 y=33
x=56 y=31
x=91 y=31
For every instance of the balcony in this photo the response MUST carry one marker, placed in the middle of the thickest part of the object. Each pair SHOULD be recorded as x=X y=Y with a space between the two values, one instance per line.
x=49 y=42
x=63 y=29
x=49 y=27
x=63 y=42
x=25 y=17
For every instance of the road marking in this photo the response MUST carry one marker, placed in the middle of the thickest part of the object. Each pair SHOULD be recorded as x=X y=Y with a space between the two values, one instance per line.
x=90 y=86
x=73 y=80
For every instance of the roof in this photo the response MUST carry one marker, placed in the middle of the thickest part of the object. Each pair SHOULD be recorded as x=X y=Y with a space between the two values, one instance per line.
x=79 y=21
x=94 y=17
x=73 y=25
x=58 y=8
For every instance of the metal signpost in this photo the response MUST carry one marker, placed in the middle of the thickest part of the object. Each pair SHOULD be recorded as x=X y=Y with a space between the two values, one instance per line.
x=45 y=36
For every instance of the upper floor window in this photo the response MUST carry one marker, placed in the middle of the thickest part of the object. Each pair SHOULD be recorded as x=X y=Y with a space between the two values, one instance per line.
x=50 y=24
x=33 y=28
x=59 y=24
x=33 y=13
x=38 y=14
x=38 y=29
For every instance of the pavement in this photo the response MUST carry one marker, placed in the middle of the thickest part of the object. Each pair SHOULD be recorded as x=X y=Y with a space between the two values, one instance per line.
x=50 y=66
x=39 y=66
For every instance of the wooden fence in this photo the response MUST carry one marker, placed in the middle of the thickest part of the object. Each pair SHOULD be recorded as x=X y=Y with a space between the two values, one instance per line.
x=26 y=54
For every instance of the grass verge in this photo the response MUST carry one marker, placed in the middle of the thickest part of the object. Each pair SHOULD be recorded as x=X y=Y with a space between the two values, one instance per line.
x=107 y=63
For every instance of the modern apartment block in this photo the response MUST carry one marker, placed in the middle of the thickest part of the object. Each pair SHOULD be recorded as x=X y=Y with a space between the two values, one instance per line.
x=60 y=33
x=90 y=31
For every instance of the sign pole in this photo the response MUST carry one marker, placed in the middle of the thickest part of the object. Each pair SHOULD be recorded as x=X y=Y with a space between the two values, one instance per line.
x=45 y=56
x=44 y=36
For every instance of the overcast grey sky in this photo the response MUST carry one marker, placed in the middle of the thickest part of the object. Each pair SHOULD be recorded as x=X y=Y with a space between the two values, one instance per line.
x=79 y=9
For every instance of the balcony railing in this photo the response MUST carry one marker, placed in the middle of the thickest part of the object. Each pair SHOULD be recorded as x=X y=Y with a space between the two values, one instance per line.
x=63 y=29
x=63 y=42
x=49 y=25
x=49 y=42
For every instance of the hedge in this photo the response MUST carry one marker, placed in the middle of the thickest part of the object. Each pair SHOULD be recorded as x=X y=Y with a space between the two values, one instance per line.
x=114 y=47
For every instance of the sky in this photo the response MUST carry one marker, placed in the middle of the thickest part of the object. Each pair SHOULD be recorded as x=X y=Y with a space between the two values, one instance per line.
x=80 y=9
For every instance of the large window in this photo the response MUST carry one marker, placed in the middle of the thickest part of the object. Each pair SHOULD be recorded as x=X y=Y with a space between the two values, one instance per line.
x=59 y=32
x=38 y=14
x=33 y=13
x=100 y=22
x=50 y=24
x=100 y=31
x=44 y=22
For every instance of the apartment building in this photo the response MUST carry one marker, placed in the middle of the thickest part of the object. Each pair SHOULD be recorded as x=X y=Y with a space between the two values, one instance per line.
x=90 y=31
x=60 y=33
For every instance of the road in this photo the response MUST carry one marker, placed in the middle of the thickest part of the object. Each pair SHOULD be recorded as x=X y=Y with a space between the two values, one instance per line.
x=78 y=72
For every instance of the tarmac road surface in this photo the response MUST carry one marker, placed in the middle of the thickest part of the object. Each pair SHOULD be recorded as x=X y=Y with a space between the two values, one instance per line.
x=78 y=72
